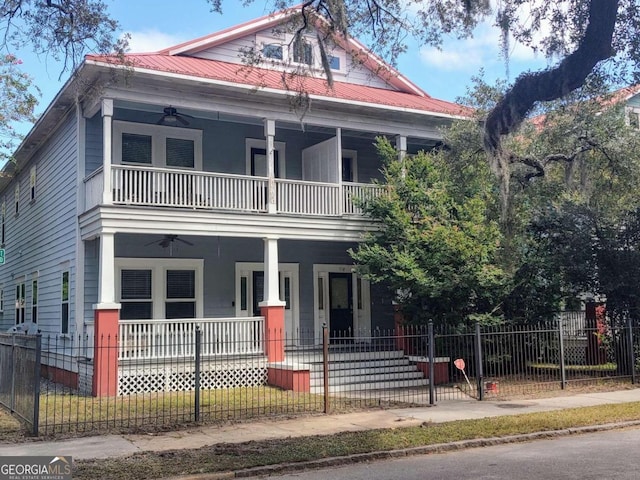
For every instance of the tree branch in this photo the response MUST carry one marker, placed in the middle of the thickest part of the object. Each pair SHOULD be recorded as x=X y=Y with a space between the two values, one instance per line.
x=547 y=85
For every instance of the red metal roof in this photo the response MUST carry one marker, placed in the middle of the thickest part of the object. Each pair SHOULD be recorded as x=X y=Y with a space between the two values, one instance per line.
x=286 y=82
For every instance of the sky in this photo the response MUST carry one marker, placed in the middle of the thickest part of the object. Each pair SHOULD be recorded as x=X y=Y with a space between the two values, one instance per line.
x=155 y=24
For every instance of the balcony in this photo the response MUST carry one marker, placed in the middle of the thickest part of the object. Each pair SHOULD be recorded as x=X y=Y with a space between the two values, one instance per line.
x=188 y=189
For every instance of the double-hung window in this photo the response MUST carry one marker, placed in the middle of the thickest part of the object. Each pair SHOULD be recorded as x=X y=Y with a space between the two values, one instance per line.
x=136 y=294
x=21 y=302
x=64 y=303
x=157 y=145
x=34 y=301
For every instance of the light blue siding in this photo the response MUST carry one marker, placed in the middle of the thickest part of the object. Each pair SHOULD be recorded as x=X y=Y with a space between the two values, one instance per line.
x=40 y=239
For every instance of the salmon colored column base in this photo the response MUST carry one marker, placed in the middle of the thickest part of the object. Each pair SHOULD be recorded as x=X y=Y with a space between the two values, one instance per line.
x=288 y=378
x=440 y=370
x=273 y=332
x=105 y=353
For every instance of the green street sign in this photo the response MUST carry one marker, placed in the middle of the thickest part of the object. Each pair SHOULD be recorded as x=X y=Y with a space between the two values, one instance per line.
x=1 y=256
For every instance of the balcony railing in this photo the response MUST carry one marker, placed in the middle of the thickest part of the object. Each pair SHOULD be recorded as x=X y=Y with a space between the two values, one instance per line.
x=145 y=186
x=160 y=339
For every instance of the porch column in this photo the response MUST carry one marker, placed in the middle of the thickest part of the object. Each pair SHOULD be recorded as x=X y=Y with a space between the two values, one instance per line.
x=401 y=147
x=106 y=318
x=341 y=207
x=270 y=133
x=272 y=308
x=107 y=115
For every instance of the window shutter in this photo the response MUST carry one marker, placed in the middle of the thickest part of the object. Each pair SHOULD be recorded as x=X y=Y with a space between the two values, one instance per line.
x=136 y=148
x=181 y=284
x=180 y=153
x=136 y=284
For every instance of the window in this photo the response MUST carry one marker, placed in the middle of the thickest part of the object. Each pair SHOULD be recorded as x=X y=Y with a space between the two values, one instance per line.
x=180 y=294
x=157 y=145
x=2 y=300
x=32 y=183
x=159 y=288
x=136 y=148
x=334 y=62
x=273 y=51
x=180 y=152
x=633 y=118
x=34 y=301
x=135 y=295
x=302 y=52
x=17 y=198
x=20 y=302
x=64 y=313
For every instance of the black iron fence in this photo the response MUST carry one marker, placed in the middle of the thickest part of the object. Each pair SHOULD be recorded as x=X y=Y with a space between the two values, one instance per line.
x=20 y=376
x=142 y=385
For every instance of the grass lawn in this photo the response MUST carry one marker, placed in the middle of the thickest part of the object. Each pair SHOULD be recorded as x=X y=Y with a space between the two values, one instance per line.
x=226 y=457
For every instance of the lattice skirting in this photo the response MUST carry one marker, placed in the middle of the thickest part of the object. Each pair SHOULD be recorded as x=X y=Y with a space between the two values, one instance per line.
x=176 y=378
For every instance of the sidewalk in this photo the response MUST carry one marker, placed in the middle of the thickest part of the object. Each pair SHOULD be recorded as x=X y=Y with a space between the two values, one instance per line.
x=109 y=446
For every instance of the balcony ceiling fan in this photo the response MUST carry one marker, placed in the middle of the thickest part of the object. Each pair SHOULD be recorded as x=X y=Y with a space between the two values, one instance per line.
x=171 y=117
x=167 y=241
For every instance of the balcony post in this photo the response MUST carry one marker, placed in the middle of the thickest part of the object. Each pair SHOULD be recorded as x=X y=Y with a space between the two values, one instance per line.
x=106 y=319
x=341 y=200
x=272 y=308
x=401 y=147
x=107 y=116
x=269 y=133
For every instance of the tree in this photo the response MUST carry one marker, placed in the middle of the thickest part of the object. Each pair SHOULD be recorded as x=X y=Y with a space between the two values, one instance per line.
x=17 y=101
x=64 y=29
x=436 y=248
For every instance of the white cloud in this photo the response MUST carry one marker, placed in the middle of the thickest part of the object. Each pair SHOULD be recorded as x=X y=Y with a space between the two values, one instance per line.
x=151 y=41
x=481 y=50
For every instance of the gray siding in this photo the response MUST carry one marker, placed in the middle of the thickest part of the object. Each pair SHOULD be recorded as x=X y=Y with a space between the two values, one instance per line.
x=353 y=72
x=220 y=255
x=91 y=250
x=93 y=144
x=41 y=238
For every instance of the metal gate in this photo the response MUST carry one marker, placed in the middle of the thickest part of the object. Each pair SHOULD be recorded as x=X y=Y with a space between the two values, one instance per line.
x=20 y=376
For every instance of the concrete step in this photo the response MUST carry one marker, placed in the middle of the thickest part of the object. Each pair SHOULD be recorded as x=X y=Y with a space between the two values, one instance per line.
x=316 y=356
x=363 y=370
x=360 y=387
x=371 y=377
x=360 y=364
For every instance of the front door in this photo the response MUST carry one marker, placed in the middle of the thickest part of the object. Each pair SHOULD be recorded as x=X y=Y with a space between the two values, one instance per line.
x=341 y=305
x=250 y=292
x=342 y=301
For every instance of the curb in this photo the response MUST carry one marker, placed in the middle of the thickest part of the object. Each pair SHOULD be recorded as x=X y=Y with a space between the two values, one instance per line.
x=405 y=452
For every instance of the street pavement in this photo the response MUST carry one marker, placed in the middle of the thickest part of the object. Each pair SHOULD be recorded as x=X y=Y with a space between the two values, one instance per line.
x=110 y=446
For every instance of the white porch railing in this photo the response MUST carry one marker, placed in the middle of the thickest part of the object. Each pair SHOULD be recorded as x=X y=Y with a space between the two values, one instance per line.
x=354 y=192
x=147 y=186
x=160 y=339
x=309 y=198
x=186 y=188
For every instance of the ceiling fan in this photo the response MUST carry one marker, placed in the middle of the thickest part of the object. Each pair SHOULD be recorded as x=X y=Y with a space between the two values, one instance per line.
x=167 y=241
x=171 y=117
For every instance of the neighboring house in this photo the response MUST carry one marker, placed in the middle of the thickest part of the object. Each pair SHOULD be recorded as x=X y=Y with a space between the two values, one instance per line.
x=191 y=188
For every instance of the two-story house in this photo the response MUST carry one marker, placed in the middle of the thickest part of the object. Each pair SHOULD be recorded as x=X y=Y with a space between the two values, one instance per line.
x=186 y=187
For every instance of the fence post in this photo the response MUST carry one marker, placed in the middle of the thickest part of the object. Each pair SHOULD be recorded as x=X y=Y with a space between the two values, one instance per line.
x=13 y=372
x=563 y=372
x=432 y=367
x=325 y=364
x=479 y=373
x=632 y=356
x=36 y=385
x=197 y=373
